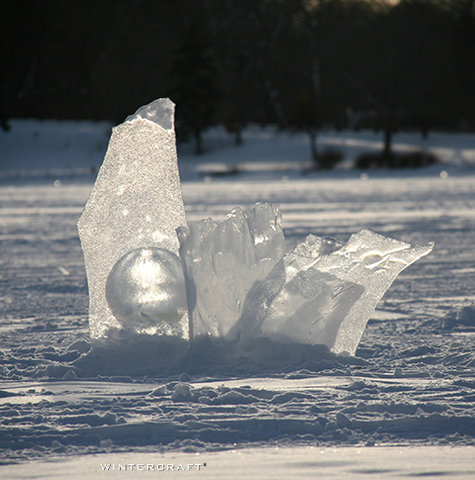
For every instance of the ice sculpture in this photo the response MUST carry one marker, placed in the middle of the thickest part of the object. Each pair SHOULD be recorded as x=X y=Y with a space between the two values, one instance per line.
x=321 y=293
x=151 y=273
x=127 y=229
x=328 y=292
x=223 y=261
x=146 y=287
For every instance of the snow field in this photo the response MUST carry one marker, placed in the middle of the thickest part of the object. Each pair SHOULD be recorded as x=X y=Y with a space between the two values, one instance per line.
x=411 y=383
x=377 y=463
x=35 y=148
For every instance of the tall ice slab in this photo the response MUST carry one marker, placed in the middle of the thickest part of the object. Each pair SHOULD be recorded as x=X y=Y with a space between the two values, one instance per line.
x=136 y=205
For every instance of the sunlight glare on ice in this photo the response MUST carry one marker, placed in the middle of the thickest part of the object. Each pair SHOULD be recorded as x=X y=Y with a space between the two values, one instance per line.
x=135 y=203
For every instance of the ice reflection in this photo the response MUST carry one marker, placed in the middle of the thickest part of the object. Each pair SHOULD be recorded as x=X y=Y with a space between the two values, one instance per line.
x=146 y=287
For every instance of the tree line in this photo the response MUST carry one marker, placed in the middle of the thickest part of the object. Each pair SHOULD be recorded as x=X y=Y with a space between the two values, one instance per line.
x=299 y=64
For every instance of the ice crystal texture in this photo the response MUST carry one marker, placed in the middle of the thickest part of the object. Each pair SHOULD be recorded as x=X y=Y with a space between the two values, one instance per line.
x=232 y=279
x=135 y=203
x=146 y=290
x=328 y=290
x=223 y=261
x=240 y=285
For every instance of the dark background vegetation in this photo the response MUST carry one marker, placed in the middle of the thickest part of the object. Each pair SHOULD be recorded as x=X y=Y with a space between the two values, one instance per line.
x=300 y=64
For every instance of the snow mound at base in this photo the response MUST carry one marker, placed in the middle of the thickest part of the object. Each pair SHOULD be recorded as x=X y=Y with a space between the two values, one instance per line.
x=127 y=353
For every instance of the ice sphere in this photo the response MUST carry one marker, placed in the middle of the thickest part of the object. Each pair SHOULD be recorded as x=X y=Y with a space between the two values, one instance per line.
x=135 y=203
x=327 y=292
x=223 y=261
x=146 y=290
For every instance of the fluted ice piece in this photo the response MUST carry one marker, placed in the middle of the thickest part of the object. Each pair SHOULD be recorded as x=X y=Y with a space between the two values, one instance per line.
x=327 y=292
x=223 y=261
x=136 y=203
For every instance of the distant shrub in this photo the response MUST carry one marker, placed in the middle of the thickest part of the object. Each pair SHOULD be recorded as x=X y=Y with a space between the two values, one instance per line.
x=415 y=159
x=366 y=161
x=329 y=159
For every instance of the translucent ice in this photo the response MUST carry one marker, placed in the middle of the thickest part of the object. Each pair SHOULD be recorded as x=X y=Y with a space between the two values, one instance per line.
x=328 y=291
x=136 y=203
x=146 y=290
x=232 y=279
x=223 y=261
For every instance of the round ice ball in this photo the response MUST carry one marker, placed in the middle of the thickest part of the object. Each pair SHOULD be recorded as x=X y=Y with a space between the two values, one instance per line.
x=146 y=287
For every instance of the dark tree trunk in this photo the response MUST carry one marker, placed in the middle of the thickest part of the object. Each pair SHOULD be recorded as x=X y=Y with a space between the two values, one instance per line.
x=198 y=142
x=389 y=126
x=238 y=136
x=313 y=147
x=388 y=135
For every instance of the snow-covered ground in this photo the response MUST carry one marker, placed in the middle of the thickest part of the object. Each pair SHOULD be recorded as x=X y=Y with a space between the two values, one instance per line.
x=397 y=409
x=53 y=148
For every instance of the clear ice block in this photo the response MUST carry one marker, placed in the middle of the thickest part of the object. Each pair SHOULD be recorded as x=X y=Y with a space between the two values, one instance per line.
x=223 y=261
x=327 y=292
x=146 y=290
x=136 y=203
x=231 y=278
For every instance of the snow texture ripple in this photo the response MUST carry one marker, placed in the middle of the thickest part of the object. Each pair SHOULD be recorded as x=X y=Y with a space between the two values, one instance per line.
x=411 y=382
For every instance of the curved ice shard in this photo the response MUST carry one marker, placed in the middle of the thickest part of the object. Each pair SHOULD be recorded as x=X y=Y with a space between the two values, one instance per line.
x=135 y=203
x=223 y=261
x=374 y=262
x=328 y=291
